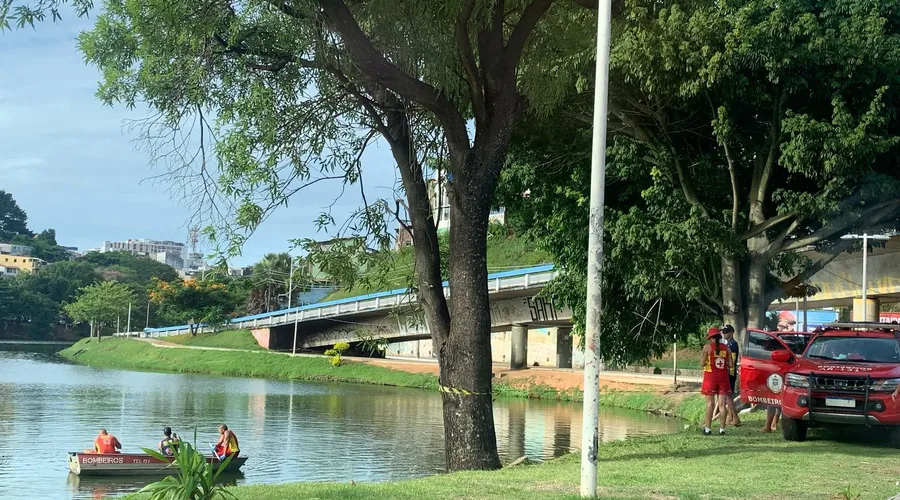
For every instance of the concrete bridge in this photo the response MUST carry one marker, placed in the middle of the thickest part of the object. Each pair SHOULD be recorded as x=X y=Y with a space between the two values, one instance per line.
x=391 y=316
x=526 y=328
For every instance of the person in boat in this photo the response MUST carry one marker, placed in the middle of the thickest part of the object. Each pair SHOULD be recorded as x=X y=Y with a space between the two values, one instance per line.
x=227 y=443
x=106 y=443
x=169 y=444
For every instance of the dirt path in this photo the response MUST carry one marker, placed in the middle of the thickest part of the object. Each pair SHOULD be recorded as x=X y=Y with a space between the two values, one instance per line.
x=559 y=378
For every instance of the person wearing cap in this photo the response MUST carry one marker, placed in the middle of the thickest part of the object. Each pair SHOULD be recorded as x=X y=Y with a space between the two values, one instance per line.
x=733 y=350
x=169 y=443
x=715 y=360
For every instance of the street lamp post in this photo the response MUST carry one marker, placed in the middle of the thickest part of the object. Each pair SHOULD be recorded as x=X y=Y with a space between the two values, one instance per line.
x=590 y=433
x=865 y=237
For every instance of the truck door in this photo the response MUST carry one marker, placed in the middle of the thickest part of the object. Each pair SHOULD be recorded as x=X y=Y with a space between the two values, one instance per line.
x=764 y=362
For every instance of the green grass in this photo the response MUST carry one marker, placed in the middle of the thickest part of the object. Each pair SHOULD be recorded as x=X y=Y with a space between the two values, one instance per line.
x=228 y=339
x=131 y=354
x=744 y=464
x=502 y=255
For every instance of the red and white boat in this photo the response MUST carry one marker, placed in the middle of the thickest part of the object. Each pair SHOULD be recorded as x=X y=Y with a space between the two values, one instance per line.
x=133 y=464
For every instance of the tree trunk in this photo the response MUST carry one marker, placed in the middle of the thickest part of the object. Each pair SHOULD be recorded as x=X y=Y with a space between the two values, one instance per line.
x=733 y=311
x=756 y=302
x=465 y=359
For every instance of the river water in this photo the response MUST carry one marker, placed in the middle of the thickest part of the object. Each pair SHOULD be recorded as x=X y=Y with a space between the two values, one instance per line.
x=292 y=431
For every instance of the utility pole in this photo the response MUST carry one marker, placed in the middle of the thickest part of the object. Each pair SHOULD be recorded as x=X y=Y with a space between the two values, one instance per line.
x=128 y=329
x=118 y=322
x=865 y=271
x=291 y=284
x=590 y=433
x=294 y=350
x=148 y=315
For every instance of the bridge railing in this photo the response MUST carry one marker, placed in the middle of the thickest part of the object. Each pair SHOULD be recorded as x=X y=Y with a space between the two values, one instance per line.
x=517 y=279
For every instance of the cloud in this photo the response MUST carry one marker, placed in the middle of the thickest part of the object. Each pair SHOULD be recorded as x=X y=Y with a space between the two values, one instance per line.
x=17 y=163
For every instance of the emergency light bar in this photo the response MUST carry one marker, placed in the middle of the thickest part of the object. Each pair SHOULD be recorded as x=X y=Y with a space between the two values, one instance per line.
x=863 y=325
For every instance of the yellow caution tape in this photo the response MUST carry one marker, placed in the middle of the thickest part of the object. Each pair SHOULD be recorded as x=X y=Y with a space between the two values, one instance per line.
x=461 y=392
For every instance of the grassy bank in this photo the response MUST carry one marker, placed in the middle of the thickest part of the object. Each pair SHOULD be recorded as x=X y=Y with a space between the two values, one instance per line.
x=744 y=464
x=130 y=354
x=228 y=339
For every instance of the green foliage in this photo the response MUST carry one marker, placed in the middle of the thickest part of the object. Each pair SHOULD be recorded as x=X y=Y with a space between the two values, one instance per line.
x=196 y=478
x=336 y=352
x=131 y=268
x=60 y=281
x=44 y=246
x=651 y=257
x=13 y=220
x=272 y=281
x=394 y=270
x=102 y=303
x=194 y=301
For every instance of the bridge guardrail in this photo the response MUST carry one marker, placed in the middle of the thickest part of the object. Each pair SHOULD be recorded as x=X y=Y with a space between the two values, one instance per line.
x=517 y=279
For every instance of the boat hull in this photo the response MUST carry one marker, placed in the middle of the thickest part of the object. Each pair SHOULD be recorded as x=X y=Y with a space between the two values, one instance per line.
x=133 y=464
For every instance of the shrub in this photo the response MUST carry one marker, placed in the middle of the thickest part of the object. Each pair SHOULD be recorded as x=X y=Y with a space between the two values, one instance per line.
x=336 y=352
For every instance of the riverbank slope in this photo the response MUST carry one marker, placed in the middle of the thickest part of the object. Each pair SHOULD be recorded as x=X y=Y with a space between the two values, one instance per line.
x=743 y=464
x=132 y=354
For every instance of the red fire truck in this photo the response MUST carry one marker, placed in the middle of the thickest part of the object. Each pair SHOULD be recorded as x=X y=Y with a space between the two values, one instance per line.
x=843 y=375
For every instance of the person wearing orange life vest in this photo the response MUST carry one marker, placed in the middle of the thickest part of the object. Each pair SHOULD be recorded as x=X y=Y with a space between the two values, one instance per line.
x=715 y=360
x=106 y=443
x=227 y=443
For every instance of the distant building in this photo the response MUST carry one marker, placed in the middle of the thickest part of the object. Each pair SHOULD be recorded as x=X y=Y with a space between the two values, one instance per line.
x=143 y=247
x=18 y=250
x=240 y=272
x=15 y=264
x=403 y=237
x=439 y=198
x=8 y=271
x=169 y=258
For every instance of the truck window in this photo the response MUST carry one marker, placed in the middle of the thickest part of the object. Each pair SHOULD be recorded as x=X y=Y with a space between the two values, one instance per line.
x=858 y=349
x=761 y=345
x=797 y=343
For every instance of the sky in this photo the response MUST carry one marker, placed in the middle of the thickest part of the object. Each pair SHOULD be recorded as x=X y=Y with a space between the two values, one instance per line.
x=72 y=165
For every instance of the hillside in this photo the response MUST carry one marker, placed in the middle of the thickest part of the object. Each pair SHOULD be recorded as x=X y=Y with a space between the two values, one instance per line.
x=502 y=255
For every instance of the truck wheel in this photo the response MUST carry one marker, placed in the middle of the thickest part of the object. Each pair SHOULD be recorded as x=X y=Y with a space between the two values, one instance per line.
x=793 y=429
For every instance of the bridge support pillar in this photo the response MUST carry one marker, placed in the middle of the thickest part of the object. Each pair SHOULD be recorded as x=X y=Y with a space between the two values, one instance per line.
x=518 y=358
x=872 y=310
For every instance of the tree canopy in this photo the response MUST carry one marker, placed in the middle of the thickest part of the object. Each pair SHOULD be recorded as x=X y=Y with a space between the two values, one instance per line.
x=196 y=301
x=102 y=303
x=13 y=219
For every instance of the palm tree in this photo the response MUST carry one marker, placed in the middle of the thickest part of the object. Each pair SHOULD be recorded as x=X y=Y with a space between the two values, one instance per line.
x=271 y=280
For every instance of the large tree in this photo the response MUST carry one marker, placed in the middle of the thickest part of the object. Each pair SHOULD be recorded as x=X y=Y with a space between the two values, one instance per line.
x=765 y=127
x=301 y=87
x=13 y=220
x=104 y=303
x=650 y=252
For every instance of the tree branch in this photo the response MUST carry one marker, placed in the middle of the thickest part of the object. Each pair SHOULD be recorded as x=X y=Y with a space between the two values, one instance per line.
x=473 y=78
x=519 y=37
x=765 y=226
x=787 y=286
x=372 y=62
x=872 y=217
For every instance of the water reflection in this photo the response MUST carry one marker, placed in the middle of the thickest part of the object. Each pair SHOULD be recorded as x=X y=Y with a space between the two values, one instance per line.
x=292 y=431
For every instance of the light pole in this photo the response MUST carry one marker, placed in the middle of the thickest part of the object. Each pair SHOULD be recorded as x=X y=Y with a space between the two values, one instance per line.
x=590 y=432
x=865 y=237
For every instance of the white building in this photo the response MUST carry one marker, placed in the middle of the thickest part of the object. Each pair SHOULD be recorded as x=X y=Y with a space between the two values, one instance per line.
x=439 y=198
x=143 y=247
x=18 y=250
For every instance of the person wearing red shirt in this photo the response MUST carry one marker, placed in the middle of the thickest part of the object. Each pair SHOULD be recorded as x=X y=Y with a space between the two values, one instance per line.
x=715 y=360
x=106 y=443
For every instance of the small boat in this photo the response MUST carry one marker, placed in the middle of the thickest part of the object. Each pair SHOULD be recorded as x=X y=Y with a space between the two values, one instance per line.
x=133 y=464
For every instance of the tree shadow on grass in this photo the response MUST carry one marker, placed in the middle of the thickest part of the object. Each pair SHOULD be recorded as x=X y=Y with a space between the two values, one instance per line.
x=853 y=445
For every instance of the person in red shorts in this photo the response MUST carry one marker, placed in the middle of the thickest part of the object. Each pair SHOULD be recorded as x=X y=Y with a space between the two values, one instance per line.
x=716 y=364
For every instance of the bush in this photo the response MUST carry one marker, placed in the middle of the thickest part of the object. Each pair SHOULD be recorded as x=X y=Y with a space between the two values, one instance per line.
x=336 y=352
